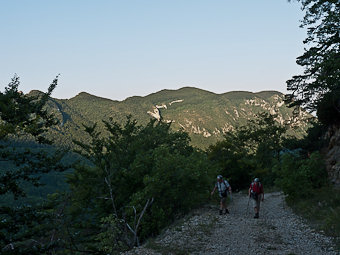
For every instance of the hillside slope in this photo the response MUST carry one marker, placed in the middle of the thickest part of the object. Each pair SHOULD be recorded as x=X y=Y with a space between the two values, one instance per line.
x=206 y=116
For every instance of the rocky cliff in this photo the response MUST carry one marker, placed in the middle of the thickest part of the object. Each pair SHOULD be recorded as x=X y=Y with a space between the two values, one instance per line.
x=333 y=154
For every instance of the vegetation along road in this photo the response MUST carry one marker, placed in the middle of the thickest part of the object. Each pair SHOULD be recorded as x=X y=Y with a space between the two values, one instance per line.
x=277 y=231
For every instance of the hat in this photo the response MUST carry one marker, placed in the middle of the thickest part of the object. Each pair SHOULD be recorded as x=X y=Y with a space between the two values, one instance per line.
x=219 y=177
x=256 y=180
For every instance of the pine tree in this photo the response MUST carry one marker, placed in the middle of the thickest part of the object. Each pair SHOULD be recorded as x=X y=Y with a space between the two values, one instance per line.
x=318 y=88
x=24 y=120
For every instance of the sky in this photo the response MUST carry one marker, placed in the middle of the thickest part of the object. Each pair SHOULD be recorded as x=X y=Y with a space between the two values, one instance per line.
x=121 y=48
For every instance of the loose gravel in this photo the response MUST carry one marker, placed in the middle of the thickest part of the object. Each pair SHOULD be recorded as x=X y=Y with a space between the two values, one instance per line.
x=277 y=231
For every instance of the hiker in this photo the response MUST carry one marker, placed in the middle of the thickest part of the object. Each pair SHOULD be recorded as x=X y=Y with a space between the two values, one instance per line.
x=257 y=194
x=223 y=188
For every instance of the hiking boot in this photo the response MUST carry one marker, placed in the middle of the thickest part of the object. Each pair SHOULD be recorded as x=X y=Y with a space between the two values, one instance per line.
x=256 y=216
x=226 y=211
x=220 y=212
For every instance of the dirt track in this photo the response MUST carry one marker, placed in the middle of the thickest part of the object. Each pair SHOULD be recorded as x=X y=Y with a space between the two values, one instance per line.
x=277 y=231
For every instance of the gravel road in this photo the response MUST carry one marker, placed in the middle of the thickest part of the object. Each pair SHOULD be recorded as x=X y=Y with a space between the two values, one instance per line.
x=277 y=231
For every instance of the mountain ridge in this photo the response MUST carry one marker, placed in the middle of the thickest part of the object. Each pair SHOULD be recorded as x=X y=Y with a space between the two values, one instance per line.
x=204 y=115
x=86 y=94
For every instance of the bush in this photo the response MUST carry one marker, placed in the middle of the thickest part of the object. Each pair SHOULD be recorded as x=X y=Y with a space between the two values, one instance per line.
x=143 y=175
x=177 y=183
x=300 y=178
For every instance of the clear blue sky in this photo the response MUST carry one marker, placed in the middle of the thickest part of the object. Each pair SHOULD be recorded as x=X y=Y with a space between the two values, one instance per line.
x=117 y=49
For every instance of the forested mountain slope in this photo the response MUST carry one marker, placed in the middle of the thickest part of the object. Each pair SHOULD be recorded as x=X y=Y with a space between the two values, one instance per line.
x=206 y=116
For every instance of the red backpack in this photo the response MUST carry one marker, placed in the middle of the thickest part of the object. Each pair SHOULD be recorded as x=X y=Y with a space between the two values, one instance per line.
x=256 y=187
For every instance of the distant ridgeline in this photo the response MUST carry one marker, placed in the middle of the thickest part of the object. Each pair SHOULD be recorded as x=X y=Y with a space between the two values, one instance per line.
x=206 y=116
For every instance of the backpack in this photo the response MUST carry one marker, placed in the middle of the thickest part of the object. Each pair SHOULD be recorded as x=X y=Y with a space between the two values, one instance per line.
x=225 y=192
x=255 y=190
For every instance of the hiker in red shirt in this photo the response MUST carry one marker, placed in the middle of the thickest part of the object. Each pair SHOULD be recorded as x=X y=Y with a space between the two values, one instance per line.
x=257 y=194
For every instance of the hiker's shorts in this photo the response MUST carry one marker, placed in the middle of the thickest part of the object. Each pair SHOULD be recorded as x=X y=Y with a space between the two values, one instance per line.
x=224 y=201
x=257 y=202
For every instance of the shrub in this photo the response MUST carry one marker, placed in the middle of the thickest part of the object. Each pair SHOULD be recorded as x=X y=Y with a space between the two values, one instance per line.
x=143 y=175
x=299 y=178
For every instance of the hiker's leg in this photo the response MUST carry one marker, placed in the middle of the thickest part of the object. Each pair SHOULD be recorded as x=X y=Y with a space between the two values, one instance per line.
x=254 y=205
x=258 y=204
x=221 y=206
x=223 y=203
x=258 y=201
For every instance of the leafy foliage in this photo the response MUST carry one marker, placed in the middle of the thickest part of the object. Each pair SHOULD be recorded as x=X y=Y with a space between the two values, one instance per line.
x=232 y=158
x=250 y=150
x=136 y=180
x=299 y=177
x=319 y=88
x=141 y=178
x=328 y=109
x=24 y=226
x=24 y=114
x=314 y=140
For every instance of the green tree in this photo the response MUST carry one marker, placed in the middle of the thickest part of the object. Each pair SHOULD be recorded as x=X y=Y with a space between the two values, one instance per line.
x=299 y=177
x=139 y=179
x=250 y=150
x=232 y=160
x=318 y=88
x=24 y=118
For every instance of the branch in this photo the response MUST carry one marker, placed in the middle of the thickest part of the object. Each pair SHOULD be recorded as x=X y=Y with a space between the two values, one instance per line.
x=147 y=204
x=58 y=214
x=135 y=230
x=108 y=182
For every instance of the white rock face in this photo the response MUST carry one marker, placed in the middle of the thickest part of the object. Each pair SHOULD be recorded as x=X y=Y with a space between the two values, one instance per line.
x=162 y=106
x=195 y=129
x=188 y=123
x=181 y=125
x=227 y=128
x=256 y=102
x=206 y=133
x=192 y=122
x=156 y=114
x=280 y=104
x=272 y=111
x=176 y=101
x=280 y=119
x=216 y=131
x=236 y=113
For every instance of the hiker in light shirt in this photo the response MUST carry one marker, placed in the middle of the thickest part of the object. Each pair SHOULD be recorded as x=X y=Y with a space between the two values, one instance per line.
x=223 y=188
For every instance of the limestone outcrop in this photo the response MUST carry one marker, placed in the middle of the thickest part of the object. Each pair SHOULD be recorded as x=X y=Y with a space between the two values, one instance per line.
x=333 y=155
